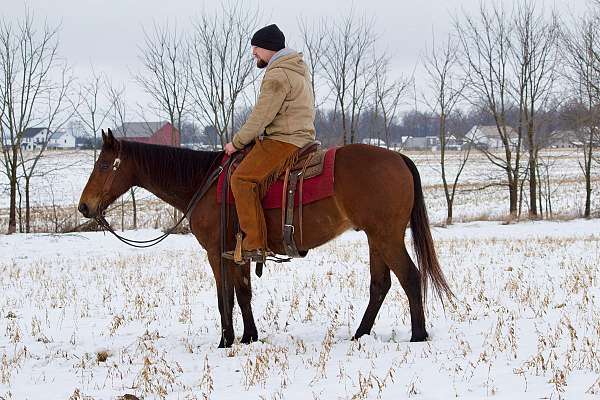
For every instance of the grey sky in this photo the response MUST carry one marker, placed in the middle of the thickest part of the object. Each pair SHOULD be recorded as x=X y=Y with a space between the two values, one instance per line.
x=107 y=33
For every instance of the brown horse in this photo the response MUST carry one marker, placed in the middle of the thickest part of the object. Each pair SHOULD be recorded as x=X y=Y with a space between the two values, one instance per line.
x=377 y=191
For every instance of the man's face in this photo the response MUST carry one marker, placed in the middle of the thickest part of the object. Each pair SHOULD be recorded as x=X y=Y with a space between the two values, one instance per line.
x=262 y=56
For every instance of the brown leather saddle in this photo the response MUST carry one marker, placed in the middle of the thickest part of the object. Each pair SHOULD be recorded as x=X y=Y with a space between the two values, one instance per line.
x=309 y=163
x=310 y=158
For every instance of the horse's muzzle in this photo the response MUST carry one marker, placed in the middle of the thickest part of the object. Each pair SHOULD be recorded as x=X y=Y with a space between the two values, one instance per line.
x=84 y=210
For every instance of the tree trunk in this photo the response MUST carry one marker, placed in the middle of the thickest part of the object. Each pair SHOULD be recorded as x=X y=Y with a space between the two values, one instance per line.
x=449 y=215
x=588 y=180
x=588 y=194
x=27 y=207
x=520 y=199
x=449 y=198
x=513 y=191
x=533 y=212
x=20 y=209
x=539 y=190
x=94 y=145
x=12 y=213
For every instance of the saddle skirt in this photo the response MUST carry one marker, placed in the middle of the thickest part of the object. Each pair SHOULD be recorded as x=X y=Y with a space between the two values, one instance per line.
x=317 y=185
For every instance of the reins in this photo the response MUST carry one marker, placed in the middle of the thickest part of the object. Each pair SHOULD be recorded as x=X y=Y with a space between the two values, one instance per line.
x=208 y=181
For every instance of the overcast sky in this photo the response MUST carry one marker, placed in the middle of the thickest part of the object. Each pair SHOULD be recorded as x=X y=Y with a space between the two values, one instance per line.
x=107 y=33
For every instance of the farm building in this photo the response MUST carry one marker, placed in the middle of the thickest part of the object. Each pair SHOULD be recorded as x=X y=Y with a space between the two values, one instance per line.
x=161 y=132
x=487 y=136
x=425 y=142
x=34 y=138
x=374 y=142
x=62 y=140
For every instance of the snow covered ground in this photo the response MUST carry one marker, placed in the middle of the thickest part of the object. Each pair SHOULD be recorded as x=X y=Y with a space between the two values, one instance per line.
x=84 y=317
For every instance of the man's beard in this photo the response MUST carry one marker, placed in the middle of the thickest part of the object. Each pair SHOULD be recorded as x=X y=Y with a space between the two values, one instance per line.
x=260 y=63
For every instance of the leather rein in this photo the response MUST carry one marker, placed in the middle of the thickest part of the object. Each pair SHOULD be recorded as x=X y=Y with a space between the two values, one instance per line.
x=211 y=177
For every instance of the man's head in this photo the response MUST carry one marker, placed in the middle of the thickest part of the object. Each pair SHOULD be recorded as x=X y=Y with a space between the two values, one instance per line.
x=266 y=42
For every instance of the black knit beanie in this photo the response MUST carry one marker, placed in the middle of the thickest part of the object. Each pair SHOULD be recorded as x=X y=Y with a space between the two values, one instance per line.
x=269 y=37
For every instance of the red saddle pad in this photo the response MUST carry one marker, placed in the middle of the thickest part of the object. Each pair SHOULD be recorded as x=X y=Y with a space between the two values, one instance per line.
x=315 y=188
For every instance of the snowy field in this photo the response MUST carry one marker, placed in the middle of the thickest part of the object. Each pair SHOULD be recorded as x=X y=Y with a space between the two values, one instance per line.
x=57 y=190
x=85 y=317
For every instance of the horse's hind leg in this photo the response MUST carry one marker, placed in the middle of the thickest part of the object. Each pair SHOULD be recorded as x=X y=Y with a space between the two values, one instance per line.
x=380 y=285
x=395 y=257
x=399 y=261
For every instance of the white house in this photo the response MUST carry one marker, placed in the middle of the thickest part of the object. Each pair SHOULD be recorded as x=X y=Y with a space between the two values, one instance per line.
x=374 y=142
x=34 y=138
x=62 y=140
x=422 y=142
x=487 y=136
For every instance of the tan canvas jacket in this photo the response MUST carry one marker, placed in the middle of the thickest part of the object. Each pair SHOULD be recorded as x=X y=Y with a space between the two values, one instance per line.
x=285 y=107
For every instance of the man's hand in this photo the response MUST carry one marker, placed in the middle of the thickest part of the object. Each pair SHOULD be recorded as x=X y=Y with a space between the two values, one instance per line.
x=230 y=149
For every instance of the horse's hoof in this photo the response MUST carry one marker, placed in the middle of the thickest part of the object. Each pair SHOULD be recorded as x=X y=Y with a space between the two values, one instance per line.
x=223 y=344
x=419 y=338
x=247 y=339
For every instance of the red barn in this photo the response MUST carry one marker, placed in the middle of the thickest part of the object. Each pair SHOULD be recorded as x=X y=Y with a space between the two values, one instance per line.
x=149 y=132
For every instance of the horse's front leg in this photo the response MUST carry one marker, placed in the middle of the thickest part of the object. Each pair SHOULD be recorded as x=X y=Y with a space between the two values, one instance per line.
x=225 y=298
x=243 y=293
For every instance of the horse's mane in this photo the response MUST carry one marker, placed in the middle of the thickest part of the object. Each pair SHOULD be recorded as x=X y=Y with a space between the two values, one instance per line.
x=173 y=166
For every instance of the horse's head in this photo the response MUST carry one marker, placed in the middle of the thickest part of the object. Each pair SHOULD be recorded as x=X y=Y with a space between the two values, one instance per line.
x=110 y=178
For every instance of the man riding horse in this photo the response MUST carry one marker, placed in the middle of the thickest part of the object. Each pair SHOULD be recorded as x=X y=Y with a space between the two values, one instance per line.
x=281 y=123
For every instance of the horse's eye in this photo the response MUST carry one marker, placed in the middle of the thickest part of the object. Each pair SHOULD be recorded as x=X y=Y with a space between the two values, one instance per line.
x=103 y=165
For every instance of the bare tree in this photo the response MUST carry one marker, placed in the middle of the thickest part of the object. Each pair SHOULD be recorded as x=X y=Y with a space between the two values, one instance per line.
x=533 y=58
x=314 y=37
x=581 y=51
x=166 y=78
x=28 y=64
x=56 y=116
x=546 y=164
x=349 y=68
x=220 y=67
x=387 y=97
x=486 y=45
x=88 y=108
x=446 y=86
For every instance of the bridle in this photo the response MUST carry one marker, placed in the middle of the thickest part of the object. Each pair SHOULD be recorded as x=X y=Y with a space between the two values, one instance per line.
x=111 y=177
x=211 y=177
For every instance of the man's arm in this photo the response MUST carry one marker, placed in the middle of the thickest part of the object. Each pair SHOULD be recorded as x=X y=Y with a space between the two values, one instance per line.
x=273 y=91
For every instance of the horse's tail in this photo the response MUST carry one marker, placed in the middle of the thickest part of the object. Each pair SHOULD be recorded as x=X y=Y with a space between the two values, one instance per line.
x=423 y=243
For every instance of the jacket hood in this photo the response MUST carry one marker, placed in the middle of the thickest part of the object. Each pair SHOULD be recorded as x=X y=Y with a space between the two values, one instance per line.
x=292 y=61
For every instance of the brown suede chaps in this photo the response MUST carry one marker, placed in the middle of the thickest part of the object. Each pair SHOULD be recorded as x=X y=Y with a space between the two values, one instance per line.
x=250 y=182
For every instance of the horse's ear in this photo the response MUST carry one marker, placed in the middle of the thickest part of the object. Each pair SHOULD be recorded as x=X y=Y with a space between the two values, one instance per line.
x=109 y=139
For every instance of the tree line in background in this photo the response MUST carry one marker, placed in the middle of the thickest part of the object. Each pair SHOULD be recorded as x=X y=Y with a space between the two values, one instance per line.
x=521 y=70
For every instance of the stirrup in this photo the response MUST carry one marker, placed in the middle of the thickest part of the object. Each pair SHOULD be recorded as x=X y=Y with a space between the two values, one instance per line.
x=257 y=256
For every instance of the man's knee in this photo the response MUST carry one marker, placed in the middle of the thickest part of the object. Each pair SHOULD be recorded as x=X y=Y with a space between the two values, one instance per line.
x=246 y=174
x=240 y=183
